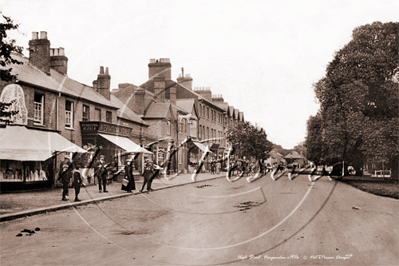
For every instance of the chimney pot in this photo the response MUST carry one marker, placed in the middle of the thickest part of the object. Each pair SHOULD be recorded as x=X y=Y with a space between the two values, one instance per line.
x=106 y=71
x=43 y=35
x=101 y=70
x=51 y=51
x=61 y=51
x=35 y=35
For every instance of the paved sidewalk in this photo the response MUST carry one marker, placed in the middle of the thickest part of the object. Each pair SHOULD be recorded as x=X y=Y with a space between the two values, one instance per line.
x=22 y=204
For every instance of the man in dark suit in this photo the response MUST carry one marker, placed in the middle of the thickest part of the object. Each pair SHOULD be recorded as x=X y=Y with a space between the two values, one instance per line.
x=101 y=173
x=148 y=175
x=77 y=181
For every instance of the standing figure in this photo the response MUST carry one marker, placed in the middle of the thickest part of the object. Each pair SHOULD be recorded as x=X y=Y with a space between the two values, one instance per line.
x=65 y=175
x=101 y=173
x=148 y=174
x=213 y=166
x=77 y=181
x=129 y=176
x=292 y=169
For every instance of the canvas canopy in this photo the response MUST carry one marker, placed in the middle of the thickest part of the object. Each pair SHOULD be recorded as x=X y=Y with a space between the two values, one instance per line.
x=125 y=143
x=202 y=147
x=19 y=143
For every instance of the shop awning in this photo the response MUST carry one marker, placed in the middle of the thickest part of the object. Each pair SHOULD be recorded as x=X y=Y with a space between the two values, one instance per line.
x=19 y=143
x=125 y=143
x=202 y=147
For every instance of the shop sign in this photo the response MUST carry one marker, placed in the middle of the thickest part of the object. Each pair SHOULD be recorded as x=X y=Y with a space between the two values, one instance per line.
x=94 y=127
x=89 y=127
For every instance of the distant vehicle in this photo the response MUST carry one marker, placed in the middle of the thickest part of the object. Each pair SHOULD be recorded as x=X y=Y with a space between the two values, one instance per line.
x=336 y=170
x=351 y=170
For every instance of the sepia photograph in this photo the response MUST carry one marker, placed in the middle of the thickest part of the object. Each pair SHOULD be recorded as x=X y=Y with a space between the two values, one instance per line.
x=194 y=133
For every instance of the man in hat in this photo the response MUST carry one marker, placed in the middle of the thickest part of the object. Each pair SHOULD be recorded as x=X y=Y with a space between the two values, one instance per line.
x=148 y=175
x=101 y=173
x=65 y=175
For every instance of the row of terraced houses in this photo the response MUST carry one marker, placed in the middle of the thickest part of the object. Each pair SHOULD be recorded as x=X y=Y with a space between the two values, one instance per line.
x=55 y=109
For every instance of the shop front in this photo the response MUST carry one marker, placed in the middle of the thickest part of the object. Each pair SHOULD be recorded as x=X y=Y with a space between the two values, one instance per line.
x=28 y=157
x=195 y=153
x=113 y=142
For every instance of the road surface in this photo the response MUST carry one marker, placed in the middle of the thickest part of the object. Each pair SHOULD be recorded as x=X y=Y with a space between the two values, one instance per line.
x=216 y=222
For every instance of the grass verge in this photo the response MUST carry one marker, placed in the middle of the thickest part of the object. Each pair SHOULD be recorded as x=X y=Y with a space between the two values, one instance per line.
x=386 y=187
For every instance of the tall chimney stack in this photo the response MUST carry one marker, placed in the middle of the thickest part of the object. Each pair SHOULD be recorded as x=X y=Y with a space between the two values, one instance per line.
x=39 y=52
x=185 y=80
x=161 y=67
x=104 y=83
x=58 y=60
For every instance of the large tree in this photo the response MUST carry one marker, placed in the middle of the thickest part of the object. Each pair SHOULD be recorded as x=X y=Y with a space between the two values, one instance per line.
x=359 y=97
x=249 y=141
x=7 y=47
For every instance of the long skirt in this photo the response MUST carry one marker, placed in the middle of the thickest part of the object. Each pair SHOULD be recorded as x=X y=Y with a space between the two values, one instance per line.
x=130 y=186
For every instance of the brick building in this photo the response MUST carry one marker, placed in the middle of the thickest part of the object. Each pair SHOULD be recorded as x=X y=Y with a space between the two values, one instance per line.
x=52 y=103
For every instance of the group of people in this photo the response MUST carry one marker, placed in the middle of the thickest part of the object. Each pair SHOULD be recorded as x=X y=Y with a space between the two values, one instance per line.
x=69 y=170
x=151 y=171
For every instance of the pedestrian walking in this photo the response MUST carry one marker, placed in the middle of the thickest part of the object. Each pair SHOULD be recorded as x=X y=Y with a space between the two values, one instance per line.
x=291 y=170
x=101 y=172
x=64 y=176
x=148 y=175
x=77 y=181
x=131 y=185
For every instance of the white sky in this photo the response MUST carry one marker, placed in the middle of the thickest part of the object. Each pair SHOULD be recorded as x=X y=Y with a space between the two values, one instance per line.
x=262 y=56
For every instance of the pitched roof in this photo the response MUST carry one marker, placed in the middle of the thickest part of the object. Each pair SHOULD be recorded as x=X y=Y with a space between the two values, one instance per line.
x=186 y=104
x=293 y=155
x=231 y=111
x=56 y=82
x=125 y=112
x=241 y=116
x=84 y=91
x=124 y=92
x=157 y=110
x=236 y=111
x=222 y=105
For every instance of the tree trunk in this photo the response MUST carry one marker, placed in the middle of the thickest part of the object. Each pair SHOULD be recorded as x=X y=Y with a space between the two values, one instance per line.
x=394 y=161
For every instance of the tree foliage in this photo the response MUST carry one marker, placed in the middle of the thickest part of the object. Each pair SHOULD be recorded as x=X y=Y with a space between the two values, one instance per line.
x=358 y=97
x=7 y=47
x=5 y=113
x=301 y=149
x=249 y=141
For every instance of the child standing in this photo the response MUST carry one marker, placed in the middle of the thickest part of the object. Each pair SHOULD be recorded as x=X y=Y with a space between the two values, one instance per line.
x=77 y=181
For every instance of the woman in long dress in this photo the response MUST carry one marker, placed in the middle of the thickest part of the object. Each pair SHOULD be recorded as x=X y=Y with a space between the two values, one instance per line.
x=129 y=176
